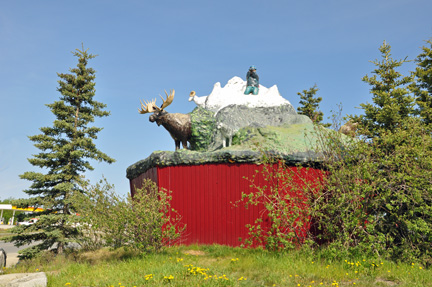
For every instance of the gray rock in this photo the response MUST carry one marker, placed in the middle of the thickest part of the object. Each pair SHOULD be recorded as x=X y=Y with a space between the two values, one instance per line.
x=3 y=258
x=232 y=118
x=24 y=280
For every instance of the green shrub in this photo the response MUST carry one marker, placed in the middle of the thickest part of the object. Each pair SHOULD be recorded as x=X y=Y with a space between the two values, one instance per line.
x=377 y=197
x=144 y=223
x=284 y=222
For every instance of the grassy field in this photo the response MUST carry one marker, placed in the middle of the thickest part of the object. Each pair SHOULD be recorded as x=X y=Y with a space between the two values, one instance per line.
x=220 y=266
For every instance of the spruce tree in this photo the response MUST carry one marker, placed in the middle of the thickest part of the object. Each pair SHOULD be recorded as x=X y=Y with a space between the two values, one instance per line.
x=310 y=104
x=65 y=149
x=422 y=86
x=392 y=102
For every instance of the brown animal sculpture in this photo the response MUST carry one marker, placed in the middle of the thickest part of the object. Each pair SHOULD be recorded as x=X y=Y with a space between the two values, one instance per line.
x=178 y=125
x=349 y=128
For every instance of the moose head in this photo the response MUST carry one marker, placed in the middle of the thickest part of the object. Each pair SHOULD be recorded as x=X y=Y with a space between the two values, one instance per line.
x=178 y=125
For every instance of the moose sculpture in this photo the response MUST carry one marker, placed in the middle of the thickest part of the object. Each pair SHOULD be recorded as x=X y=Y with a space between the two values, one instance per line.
x=178 y=125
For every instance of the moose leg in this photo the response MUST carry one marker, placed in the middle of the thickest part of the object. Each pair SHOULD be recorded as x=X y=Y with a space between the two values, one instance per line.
x=177 y=144
x=184 y=144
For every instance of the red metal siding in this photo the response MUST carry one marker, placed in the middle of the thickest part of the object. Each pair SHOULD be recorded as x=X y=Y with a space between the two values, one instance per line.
x=136 y=183
x=204 y=195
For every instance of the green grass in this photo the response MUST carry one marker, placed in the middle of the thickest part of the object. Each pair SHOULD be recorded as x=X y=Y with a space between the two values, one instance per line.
x=220 y=266
x=5 y=233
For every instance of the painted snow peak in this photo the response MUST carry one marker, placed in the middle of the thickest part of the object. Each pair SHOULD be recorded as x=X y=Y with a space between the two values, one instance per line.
x=233 y=94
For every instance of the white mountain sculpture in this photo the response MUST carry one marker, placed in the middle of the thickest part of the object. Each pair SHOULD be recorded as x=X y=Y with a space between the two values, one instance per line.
x=233 y=94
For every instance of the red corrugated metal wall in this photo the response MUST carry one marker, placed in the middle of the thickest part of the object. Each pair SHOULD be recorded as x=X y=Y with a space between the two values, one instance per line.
x=137 y=182
x=204 y=195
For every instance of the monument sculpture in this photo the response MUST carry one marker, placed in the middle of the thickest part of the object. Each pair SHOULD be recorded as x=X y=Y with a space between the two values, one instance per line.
x=222 y=114
x=178 y=125
x=229 y=122
x=228 y=132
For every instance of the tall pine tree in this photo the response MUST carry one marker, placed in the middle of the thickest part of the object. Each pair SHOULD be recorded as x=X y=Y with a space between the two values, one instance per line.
x=310 y=105
x=392 y=103
x=422 y=86
x=64 y=152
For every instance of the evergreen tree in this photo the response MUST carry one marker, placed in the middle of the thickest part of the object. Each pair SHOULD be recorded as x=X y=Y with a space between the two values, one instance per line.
x=392 y=103
x=64 y=152
x=310 y=104
x=422 y=86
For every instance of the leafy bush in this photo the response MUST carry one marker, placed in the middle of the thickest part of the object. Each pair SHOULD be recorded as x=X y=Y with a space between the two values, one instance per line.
x=377 y=197
x=144 y=223
x=285 y=220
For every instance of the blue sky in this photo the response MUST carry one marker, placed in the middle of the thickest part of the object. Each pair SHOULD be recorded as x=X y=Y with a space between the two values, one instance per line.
x=145 y=47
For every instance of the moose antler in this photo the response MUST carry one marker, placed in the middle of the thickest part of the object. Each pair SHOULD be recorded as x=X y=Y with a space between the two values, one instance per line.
x=168 y=100
x=147 y=107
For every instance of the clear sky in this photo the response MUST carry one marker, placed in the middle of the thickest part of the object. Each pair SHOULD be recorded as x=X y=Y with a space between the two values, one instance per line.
x=145 y=47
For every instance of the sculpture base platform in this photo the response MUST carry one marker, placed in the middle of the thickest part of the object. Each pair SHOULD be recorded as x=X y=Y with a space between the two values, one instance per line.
x=206 y=185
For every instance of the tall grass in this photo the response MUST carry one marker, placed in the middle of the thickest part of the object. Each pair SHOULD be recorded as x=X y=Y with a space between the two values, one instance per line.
x=221 y=266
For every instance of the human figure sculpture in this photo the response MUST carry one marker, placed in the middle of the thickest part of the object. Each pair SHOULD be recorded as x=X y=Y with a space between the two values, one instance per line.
x=252 y=85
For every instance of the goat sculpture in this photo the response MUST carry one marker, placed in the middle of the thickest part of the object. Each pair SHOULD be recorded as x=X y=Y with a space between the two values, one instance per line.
x=349 y=128
x=178 y=125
